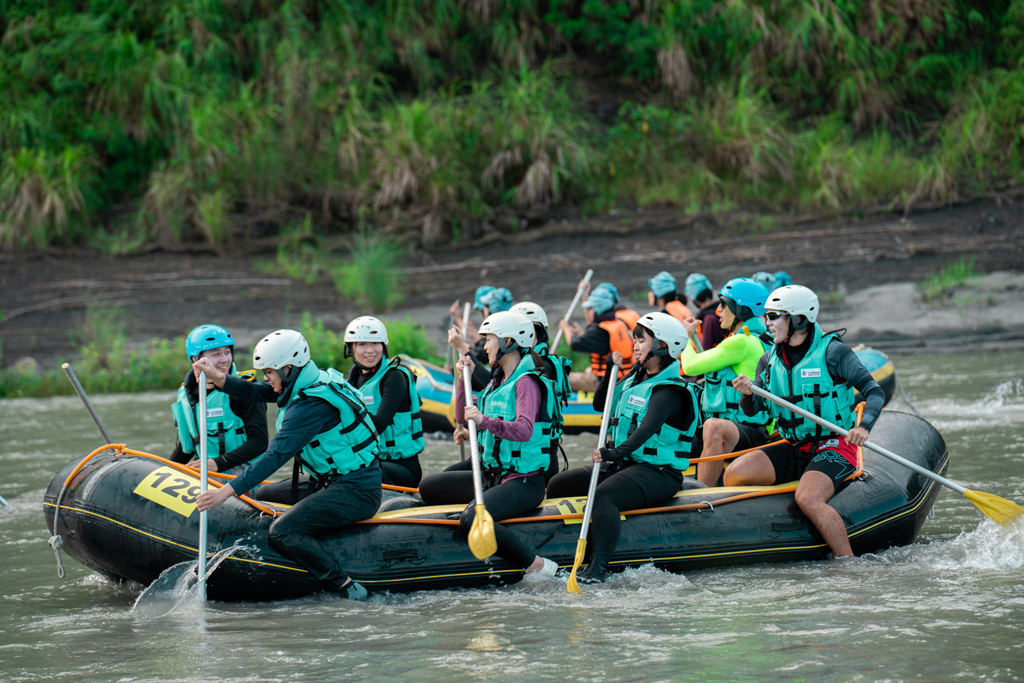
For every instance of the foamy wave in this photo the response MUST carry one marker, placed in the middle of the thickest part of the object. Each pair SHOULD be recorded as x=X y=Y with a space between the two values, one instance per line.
x=1003 y=404
x=989 y=547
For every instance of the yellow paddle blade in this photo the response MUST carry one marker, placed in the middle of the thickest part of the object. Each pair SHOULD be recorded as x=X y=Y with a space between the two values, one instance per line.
x=573 y=586
x=994 y=507
x=482 y=542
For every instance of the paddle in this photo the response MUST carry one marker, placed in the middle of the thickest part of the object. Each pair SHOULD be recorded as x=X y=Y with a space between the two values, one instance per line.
x=465 y=326
x=581 y=545
x=993 y=507
x=85 y=399
x=482 y=542
x=572 y=307
x=203 y=469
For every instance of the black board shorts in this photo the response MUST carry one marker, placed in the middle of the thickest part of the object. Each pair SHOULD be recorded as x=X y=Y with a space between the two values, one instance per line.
x=751 y=436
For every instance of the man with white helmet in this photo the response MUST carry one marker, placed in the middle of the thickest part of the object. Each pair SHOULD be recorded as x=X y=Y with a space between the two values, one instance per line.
x=322 y=423
x=818 y=372
x=606 y=332
x=727 y=428
x=656 y=422
x=514 y=416
x=556 y=369
x=389 y=393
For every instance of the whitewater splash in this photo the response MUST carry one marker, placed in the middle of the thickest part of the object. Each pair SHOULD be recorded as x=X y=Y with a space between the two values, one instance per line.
x=1001 y=406
x=178 y=585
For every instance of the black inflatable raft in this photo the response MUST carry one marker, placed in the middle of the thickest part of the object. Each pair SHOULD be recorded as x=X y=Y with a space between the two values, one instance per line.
x=131 y=517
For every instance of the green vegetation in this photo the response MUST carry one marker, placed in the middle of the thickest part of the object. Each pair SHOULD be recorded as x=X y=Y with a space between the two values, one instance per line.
x=132 y=122
x=109 y=364
x=939 y=287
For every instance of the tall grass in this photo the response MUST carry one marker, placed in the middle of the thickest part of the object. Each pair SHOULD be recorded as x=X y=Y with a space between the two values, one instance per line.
x=940 y=286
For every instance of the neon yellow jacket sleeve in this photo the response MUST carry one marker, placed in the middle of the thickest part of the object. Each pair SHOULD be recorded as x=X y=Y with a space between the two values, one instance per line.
x=731 y=351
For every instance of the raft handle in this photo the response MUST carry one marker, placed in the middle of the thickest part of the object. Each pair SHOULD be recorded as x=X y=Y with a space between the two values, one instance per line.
x=711 y=508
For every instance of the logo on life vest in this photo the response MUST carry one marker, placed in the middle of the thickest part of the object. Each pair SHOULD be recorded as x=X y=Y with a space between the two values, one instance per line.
x=367 y=400
x=810 y=372
x=637 y=401
x=214 y=412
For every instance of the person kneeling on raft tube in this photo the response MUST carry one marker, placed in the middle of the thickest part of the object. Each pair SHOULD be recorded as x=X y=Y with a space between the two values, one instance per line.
x=495 y=300
x=726 y=427
x=556 y=369
x=656 y=426
x=390 y=396
x=236 y=430
x=817 y=372
x=605 y=333
x=662 y=292
x=513 y=413
x=320 y=420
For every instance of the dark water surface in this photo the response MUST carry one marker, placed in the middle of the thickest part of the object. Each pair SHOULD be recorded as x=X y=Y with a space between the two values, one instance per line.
x=950 y=607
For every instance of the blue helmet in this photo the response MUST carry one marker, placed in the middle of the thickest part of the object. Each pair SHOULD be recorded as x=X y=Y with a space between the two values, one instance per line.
x=206 y=337
x=611 y=290
x=766 y=279
x=661 y=284
x=745 y=297
x=497 y=300
x=481 y=292
x=782 y=279
x=600 y=300
x=695 y=284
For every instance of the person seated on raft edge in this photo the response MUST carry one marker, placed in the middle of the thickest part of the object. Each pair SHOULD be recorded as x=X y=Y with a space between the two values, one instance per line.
x=556 y=369
x=726 y=427
x=662 y=292
x=514 y=420
x=698 y=290
x=824 y=373
x=497 y=300
x=236 y=430
x=472 y=335
x=656 y=427
x=344 y=483
x=390 y=396
x=605 y=333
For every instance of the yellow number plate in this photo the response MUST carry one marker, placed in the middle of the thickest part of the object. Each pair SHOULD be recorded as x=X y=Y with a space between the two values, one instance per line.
x=574 y=506
x=170 y=488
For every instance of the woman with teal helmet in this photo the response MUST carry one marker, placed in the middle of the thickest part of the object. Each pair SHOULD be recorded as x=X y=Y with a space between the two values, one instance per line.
x=662 y=292
x=702 y=301
x=728 y=428
x=236 y=429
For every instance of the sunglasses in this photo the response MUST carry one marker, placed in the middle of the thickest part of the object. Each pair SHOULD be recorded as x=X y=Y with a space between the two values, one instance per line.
x=775 y=315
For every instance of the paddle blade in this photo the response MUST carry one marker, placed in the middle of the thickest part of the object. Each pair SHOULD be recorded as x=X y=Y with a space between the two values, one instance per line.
x=994 y=507
x=581 y=547
x=482 y=542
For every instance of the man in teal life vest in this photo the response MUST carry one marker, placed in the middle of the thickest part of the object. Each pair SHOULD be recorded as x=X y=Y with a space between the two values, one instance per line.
x=320 y=420
x=727 y=428
x=389 y=394
x=656 y=426
x=817 y=372
x=236 y=430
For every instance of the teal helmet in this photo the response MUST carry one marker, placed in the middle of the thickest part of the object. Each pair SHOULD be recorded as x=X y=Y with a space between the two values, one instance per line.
x=600 y=300
x=695 y=285
x=766 y=279
x=206 y=337
x=481 y=292
x=745 y=297
x=497 y=300
x=782 y=279
x=661 y=284
x=610 y=288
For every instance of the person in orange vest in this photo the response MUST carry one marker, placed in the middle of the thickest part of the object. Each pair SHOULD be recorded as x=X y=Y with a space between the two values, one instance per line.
x=605 y=333
x=662 y=292
x=622 y=311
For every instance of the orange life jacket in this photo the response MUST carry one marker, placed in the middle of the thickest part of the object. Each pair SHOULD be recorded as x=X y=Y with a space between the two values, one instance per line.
x=678 y=310
x=619 y=339
x=629 y=317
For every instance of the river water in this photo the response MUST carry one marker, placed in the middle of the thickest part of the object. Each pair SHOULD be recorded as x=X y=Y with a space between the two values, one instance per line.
x=950 y=607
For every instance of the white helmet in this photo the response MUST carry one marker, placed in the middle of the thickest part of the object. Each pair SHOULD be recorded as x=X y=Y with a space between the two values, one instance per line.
x=281 y=348
x=532 y=311
x=668 y=329
x=509 y=324
x=366 y=329
x=794 y=300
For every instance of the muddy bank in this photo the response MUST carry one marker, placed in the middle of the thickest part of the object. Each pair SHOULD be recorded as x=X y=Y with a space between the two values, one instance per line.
x=870 y=266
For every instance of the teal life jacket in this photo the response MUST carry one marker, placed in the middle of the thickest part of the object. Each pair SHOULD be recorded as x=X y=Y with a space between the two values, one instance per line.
x=225 y=431
x=668 y=446
x=719 y=399
x=808 y=385
x=560 y=385
x=404 y=437
x=350 y=445
x=499 y=402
